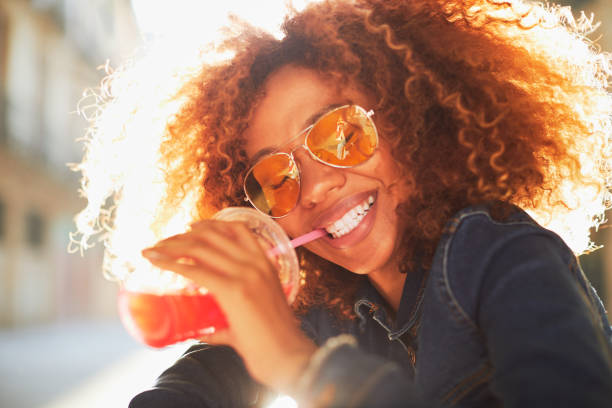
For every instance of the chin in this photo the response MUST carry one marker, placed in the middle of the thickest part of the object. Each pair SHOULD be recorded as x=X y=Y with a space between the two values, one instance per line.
x=363 y=262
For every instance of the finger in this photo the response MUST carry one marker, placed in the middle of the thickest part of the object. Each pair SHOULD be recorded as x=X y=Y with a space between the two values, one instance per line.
x=224 y=236
x=229 y=263
x=199 y=224
x=227 y=236
x=231 y=233
x=247 y=237
x=200 y=275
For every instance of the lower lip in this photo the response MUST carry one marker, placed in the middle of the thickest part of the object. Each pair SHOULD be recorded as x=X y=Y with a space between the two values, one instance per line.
x=358 y=233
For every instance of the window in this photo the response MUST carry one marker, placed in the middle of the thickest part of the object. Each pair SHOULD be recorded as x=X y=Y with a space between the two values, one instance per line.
x=3 y=56
x=35 y=229
x=2 y=220
x=576 y=4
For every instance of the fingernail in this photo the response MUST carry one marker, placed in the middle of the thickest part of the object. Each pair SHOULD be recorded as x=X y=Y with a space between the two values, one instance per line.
x=151 y=253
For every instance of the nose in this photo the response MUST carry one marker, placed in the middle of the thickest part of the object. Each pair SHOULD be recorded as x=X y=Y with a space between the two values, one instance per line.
x=317 y=179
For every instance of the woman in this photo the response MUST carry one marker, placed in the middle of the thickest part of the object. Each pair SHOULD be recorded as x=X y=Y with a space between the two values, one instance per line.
x=442 y=122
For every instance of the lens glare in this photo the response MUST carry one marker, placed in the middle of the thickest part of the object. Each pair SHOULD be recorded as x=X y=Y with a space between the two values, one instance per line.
x=344 y=137
x=273 y=185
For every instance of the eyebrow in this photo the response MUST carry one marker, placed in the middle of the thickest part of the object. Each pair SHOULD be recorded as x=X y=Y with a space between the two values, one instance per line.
x=305 y=125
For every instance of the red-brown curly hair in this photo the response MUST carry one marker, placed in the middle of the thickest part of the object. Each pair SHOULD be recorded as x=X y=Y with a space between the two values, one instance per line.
x=481 y=100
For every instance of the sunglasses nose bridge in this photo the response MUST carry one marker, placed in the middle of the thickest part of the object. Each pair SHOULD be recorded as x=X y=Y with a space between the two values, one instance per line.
x=317 y=179
x=307 y=155
x=296 y=148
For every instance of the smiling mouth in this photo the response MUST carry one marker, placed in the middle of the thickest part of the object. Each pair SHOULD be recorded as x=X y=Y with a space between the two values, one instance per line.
x=351 y=219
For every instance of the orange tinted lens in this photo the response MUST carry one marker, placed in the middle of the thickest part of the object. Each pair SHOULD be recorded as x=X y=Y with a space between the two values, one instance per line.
x=273 y=185
x=344 y=137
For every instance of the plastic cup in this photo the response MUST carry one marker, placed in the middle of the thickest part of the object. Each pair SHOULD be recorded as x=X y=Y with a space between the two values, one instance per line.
x=162 y=317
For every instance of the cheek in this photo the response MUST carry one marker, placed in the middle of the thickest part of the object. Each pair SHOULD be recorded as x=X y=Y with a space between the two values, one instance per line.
x=383 y=167
x=291 y=224
x=386 y=164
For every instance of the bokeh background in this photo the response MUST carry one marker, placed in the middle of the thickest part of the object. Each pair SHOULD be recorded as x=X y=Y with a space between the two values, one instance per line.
x=61 y=342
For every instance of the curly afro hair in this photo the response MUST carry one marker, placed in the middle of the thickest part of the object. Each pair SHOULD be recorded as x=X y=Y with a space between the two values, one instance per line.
x=482 y=101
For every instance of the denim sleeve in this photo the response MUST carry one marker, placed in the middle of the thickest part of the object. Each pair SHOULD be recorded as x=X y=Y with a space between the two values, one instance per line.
x=545 y=345
x=204 y=377
x=340 y=375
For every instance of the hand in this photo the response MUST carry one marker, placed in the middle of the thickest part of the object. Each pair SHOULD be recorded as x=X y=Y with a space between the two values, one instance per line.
x=226 y=258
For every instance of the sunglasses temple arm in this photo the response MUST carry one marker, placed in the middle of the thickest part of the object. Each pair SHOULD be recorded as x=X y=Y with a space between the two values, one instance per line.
x=299 y=241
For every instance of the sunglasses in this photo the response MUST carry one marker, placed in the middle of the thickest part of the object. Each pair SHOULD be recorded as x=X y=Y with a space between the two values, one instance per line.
x=343 y=137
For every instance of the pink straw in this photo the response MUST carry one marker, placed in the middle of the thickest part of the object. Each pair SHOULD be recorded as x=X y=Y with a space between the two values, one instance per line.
x=301 y=240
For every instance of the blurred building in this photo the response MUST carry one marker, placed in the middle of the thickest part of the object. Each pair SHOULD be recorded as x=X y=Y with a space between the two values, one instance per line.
x=50 y=51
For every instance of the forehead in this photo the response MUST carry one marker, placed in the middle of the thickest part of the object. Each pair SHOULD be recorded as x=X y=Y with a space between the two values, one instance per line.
x=294 y=96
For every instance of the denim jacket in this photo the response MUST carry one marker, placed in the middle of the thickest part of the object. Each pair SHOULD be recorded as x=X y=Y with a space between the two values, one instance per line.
x=504 y=317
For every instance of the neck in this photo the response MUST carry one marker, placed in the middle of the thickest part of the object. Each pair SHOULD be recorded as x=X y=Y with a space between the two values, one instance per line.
x=389 y=282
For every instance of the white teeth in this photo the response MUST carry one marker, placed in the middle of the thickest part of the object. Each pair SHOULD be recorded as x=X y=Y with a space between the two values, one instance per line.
x=351 y=219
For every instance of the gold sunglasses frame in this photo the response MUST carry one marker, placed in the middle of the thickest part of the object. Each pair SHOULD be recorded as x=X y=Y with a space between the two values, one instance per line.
x=367 y=113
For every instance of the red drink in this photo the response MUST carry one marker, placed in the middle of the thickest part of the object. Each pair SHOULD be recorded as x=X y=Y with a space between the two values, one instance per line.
x=160 y=320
